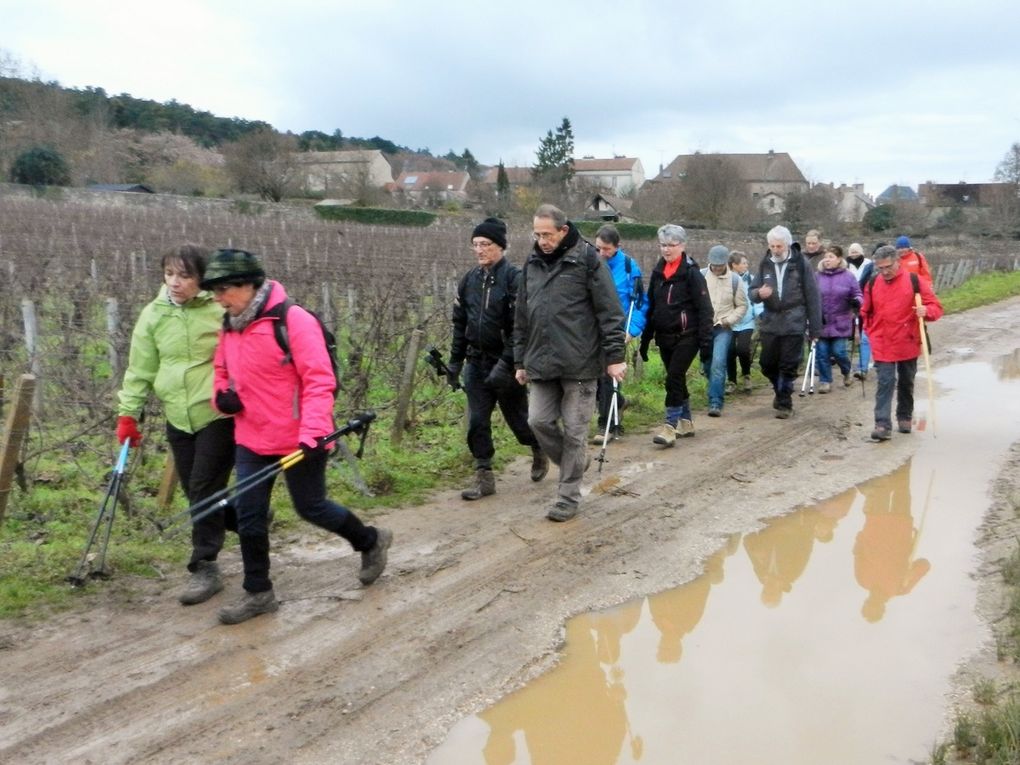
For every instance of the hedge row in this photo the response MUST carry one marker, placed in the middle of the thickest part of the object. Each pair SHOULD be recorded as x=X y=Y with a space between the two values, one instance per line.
x=589 y=228
x=377 y=215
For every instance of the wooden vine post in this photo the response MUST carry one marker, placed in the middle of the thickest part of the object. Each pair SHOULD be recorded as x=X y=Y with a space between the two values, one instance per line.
x=14 y=436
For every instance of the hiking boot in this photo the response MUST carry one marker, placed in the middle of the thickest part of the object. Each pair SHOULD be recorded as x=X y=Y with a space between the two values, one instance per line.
x=784 y=412
x=561 y=511
x=249 y=605
x=685 y=429
x=880 y=433
x=903 y=426
x=713 y=411
x=861 y=374
x=824 y=387
x=373 y=561
x=848 y=380
x=665 y=436
x=204 y=583
x=731 y=387
x=539 y=464
x=485 y=484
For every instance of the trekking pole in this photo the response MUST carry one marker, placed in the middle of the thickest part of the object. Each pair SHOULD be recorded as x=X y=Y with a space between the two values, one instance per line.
x=221 y=499
x=613 y=418
x=105 y=516
x=811 y=365
x=808 y=373
x=927 y=363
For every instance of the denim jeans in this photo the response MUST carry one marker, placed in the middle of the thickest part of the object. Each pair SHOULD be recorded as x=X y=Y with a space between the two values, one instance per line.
x=306 y=483
x=721 y=338
x=203 y=461
x=482 y=400
x=898 y=375
x=826 y=349
x=559 y=413
x=865 y=352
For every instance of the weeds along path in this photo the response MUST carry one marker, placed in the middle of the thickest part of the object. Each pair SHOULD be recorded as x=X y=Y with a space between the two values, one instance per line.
x=472 y=604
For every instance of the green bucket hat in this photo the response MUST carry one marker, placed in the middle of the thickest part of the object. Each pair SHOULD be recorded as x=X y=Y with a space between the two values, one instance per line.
x=237 y=266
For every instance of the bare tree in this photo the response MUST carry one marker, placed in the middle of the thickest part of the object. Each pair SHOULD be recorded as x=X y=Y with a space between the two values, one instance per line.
x=262 y=163
x=713 y=192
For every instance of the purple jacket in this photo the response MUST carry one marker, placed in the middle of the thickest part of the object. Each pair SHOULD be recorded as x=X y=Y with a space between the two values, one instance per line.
x=840 y=294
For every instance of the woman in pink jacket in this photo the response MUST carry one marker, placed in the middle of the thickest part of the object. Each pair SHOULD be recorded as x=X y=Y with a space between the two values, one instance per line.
x=280 y=404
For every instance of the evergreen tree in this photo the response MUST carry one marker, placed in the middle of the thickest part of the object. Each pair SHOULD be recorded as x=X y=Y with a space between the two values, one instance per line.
x=502 y=181
x=554 y=166
x=40 y=166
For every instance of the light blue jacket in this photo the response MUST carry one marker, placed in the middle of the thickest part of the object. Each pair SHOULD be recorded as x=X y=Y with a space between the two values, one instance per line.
x=754 y=310
x=625 y=288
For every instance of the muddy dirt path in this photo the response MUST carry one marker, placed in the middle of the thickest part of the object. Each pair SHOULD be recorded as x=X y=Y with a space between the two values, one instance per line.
x=472 y=605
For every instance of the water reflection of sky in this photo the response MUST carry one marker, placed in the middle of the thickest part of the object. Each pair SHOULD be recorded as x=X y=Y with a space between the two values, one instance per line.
x=827 y=636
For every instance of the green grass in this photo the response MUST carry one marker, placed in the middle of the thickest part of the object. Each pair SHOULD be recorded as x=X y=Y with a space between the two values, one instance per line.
x=981 y=290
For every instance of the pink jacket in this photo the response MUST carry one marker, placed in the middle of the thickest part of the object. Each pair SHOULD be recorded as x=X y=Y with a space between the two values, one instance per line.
x=285 y=405
x=889 y=318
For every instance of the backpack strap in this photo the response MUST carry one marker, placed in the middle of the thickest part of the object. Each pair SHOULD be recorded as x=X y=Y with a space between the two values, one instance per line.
x=279 y=311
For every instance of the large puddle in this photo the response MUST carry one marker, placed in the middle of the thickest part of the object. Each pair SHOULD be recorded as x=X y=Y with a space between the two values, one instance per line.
x=827 y=637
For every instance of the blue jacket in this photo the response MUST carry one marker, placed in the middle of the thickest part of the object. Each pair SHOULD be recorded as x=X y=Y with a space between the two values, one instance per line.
x=754 y=310
x=626 y=285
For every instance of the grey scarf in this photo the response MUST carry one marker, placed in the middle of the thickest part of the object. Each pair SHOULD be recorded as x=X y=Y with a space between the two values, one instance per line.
x=249 y=314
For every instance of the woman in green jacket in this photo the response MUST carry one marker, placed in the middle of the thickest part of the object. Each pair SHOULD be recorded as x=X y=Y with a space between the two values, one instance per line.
x=171 y=356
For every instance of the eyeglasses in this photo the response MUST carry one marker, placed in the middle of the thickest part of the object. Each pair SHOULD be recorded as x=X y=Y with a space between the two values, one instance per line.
x=545 y=236
x=481 y=245
x=667 y=245
x=219 y=289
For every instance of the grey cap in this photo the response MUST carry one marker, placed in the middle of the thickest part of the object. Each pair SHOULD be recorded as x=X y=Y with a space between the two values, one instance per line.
x=718 y=255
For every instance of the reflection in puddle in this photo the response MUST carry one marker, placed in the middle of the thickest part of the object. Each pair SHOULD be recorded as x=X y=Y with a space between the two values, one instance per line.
x=827 y=636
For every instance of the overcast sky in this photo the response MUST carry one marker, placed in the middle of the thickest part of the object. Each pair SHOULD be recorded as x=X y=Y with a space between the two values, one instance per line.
x=868 y=91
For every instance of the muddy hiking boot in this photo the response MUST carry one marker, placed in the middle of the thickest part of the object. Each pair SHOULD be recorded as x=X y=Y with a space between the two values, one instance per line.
x=373 y=560
x=539 y=464
x=881 y=433
x=665 y=435
x=205 y=582
x=250 y=605
x=561 y=511
x=484 y=485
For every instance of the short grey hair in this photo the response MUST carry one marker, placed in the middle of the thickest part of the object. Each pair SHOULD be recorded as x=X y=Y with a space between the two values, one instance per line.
x=671 y=233
x=886 y=252
x=553 y=213
x=609 y=234
x=780 y=234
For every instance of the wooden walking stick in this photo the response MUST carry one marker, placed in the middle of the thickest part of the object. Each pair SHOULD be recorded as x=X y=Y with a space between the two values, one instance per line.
x=927 y=363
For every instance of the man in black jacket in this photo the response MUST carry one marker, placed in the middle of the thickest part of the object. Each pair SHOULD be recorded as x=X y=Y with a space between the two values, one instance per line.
x=568 y=332
x=786 y=286
x=483 y=324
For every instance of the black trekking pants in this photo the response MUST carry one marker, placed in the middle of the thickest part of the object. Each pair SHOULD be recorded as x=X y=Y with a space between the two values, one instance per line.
x=482 y=399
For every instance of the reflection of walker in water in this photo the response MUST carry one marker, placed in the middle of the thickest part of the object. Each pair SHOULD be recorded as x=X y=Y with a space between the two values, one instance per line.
x=779 y=553
x=677 y=612
x=576 y=712
x=884 y=550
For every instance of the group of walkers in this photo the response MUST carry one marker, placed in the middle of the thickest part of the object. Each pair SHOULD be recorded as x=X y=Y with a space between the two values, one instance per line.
x=560 y=326
x=545 y=342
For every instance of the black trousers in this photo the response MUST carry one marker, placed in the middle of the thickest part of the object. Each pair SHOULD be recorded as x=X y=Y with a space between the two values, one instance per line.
x=482 y=400
x=780 y=361
x=204 y=460
x=740 y=350
x=604 y=399
x=678 y=353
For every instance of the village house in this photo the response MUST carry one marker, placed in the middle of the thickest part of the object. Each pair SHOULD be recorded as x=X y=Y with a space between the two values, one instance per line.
x=770 y=177
x=432 y=187
x=342 y=173
x=620 y=176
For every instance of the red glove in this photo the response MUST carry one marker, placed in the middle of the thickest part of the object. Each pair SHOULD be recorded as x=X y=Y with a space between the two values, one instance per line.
x=127 y=427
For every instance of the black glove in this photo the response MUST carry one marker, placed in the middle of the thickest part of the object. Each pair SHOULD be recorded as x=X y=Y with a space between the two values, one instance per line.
x=311 y=451
x=501 y=375
x=643 y=350
x=228 y=402
x=453 y=375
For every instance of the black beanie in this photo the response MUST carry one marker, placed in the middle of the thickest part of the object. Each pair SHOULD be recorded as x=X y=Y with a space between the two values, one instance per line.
x=492 y=229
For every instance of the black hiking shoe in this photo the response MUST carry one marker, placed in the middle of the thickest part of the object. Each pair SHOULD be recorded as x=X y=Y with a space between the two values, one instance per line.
x=250 y=605
x=373 y=561
x=204 y=583
x=539 y=464
x=484 y=485
x=561 y=511
x=903 y=426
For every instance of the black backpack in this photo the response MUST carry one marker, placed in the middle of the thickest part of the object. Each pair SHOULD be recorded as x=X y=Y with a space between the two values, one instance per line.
x=283 y=337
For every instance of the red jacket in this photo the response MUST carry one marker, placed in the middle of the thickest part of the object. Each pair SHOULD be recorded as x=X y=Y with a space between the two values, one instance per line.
x=285 y=405
x=914 y=261
x=889 y=318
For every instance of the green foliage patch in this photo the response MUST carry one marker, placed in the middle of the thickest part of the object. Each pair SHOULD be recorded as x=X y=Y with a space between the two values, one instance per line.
x=376 y=215
x=589 y=228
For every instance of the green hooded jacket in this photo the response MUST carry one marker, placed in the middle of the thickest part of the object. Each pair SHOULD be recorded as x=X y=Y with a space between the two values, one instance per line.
x=171 y=355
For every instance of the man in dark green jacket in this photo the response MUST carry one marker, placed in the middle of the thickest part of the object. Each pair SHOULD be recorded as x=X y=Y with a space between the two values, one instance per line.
x=568 y=332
